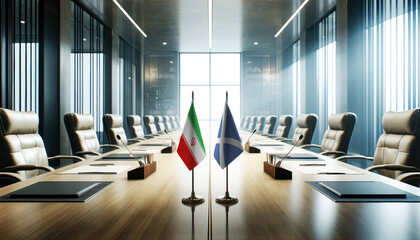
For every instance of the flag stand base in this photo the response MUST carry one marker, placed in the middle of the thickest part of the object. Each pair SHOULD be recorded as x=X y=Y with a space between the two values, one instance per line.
x=227 y=200
x=193 y=200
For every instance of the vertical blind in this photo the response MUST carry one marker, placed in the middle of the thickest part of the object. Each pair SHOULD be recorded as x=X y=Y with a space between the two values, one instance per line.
x=87 y=66
x=23 y=55
x=392 y=60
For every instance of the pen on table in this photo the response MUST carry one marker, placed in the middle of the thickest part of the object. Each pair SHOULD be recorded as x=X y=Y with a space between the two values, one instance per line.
x=97 y=173
x=101 y=164
x=331 y=173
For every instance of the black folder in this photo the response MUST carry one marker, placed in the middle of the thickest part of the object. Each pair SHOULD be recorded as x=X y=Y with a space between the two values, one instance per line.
x=54 y=190
x=367 y=189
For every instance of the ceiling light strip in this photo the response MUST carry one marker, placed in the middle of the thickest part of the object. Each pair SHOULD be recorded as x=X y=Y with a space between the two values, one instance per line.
x=129 y=18
x=291 y=18
x=210 y=22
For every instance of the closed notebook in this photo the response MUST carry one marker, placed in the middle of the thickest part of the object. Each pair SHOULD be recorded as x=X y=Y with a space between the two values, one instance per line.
x=54 y=190
x=358 y=189
x=297 y=156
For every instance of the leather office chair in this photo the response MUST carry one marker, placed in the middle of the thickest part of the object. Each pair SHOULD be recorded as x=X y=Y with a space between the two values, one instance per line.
x=113 y=126
x=285 y=123
x=167 y=123
x=306 y=124
x=252 y=124
x=82 y=136
x=178 y=124
x=398 y=148
x=242 y=122
x=260 y=123
x=173 y=122
x=149 y=125
x=247 y=122
x=22 y=151
x=160 y=126
x=270 y=123
x=337 y=138
x=135 y=128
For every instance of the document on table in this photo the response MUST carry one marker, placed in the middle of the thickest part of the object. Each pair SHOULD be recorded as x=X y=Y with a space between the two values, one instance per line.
x=327 y=170
x=103 y=169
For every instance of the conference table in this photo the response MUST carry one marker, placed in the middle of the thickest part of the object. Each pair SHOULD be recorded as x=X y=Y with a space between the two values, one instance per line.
x=152 y=209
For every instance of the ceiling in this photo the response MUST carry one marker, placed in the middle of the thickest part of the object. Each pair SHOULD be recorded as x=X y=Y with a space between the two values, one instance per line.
x=183 y=24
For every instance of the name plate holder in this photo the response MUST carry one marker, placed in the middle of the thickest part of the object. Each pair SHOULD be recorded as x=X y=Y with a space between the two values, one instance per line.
x=251 y=149
x=276 y=172
x=145 y=171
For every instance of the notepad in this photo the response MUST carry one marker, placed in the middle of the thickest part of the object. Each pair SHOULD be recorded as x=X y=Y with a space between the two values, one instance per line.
x=105 y=169
x=368 y=189
x=54 y=190
x=126 y=154
x=297 y=156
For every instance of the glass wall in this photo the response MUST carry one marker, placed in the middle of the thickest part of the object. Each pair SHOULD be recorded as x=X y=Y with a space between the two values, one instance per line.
x=210 y=76
x=23 y=55
x=87 y=66
x=392 y=60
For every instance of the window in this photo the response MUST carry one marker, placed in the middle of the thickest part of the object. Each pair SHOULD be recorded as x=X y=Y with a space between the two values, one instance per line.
x=87 y=66
x=392 y=60
x=210 y=76
x=291 y=83
x=23 y=55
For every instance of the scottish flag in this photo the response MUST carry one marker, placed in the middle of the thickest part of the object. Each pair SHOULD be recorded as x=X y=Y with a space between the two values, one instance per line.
x=228 y=144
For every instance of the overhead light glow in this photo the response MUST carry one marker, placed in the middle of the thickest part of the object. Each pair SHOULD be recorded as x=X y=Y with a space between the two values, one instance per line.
x=255 y=43
x=291 y=18
x=210 y=22
x=22 y=22
x=129 y=18
x=164 y=43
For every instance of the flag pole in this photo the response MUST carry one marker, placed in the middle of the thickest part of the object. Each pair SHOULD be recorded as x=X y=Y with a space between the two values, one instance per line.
x=193 y=199
x=227 y=200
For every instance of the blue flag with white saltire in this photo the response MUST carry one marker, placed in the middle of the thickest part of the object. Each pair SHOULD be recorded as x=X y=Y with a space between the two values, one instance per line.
x=228 y=144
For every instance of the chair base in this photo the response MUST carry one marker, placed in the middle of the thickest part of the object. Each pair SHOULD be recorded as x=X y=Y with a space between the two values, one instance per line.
x=142 y=172
x=277 y=172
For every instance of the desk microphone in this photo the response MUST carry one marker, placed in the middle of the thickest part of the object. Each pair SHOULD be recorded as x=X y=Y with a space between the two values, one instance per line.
x=134 y=156
x=166 y=131
x=251 y=135
x=287 y=155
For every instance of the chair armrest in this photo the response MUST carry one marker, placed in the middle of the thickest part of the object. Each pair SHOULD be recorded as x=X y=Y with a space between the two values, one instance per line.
x=343 y=158
x=10 y=177
x=310 y=145
x=394 y=167
x=336 y=153
x=110 y=146
x=407 y=177
x=59 y=157
x=83 y=153
x=17 y=168
x=134 y=140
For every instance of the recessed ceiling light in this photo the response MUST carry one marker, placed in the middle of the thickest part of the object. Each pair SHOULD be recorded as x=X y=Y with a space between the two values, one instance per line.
x=249 y=62
x=84 y=39
x=22 y=22
x=255 y=43
x=165 y=43
x=171 y=62
x=291 y=18
x=129 y=18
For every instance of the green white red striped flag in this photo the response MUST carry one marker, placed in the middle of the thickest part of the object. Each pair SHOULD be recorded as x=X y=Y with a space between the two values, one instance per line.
x=191 y=146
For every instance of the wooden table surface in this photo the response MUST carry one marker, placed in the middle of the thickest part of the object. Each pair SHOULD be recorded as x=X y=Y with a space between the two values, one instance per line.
x=152 y=208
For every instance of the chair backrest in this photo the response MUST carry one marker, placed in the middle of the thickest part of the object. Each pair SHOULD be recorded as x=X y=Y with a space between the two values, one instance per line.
x=20 y=142
x=306 y=124
x=242 y=122
x=270 y=123
x=173 y=122
x=149 y=124
x=400 y=143
x=285 y=123
x=337 y=137
x=159 y=123
x=253 y=123
x=134 y=126
x=81 y=134
x=247 y=122
x=113 y=126
x=260 y=123
x=167 y=123
x=178 y=124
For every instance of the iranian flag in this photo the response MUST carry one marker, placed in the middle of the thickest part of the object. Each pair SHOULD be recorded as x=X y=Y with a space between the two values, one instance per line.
x=191 y=146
